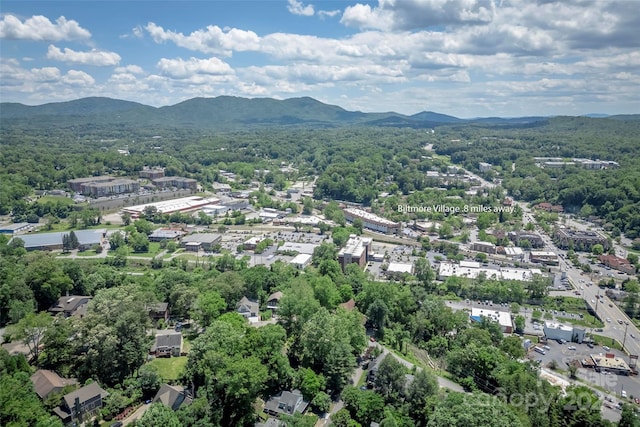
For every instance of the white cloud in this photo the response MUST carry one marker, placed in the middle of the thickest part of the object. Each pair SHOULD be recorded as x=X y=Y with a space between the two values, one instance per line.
x=130 y=69
x=329 y=13
x=298 y=8
x=179 y=68
x=78 y=78
x=93 y=57
x=40 y=28
x=212 y=40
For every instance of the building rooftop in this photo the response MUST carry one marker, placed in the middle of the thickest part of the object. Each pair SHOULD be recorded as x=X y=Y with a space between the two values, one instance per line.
x=83 y=394
x=301 y=259
x=173 y=205
x=503 y=318
x=202 y=238
x=400 y=267
x=369 y=216
x=301 y=248
x=39 y=240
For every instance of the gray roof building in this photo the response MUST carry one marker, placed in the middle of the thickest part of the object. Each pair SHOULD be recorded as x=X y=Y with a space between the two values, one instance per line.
x=52 y=241
x=71 y=305
x=172 y=396
x=167 y=344
x=287 y=402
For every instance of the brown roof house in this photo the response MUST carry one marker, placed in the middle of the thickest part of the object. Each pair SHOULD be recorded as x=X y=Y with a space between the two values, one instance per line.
x=274 y=300
x=46 y=382
x=287 y=403
x=82 y=404
x=159 y=311
x=249 y=309
x=71 y=305
x=173 y=396
x=167 y=344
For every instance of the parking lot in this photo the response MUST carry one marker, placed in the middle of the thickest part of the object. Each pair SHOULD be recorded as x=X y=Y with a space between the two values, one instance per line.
x=564 y=354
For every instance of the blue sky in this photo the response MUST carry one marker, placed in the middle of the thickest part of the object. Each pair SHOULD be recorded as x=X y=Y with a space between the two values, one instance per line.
x=466 y=58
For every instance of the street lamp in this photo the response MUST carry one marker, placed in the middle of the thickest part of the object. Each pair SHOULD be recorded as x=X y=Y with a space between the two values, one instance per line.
x=624 y=340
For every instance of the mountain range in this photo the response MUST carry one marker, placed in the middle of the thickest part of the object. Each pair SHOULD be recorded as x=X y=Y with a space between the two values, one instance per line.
x=228 y=112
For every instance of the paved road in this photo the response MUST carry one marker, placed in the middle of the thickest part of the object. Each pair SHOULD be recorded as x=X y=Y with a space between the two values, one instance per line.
x=136 y=415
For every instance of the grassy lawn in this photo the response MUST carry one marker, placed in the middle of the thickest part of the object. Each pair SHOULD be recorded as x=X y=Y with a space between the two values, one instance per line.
x=170 y=368
x=154 y=248
x=602 y=340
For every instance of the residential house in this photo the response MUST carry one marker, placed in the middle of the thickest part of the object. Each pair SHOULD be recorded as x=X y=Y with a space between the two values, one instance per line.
x=173 y=396
x=82 y=404
x=167 y=344
x=286 y=403
x=71 y=305
x=274 y=300
x=159 y=311
x=46 y=382
x=249 y=309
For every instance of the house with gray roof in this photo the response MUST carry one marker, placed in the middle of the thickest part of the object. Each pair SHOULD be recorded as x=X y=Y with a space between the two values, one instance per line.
x=82 y=404
x=249 y=309
x=167 y=344
x=71 y=305
x=173 y=396
x=286 y=403
x=274 y=300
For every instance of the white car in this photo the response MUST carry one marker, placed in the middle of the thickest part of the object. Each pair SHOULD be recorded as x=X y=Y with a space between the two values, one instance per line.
x=608 y=320
x=571 y=347
x=605 y=348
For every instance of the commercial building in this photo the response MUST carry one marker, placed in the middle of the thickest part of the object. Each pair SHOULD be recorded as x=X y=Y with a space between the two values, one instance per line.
x=503 y=318
x=53 y=241
x=399 y=269
x=607 y=362
x=534 y=239
x=356 y=251
x=558 y=331
x=617 y=263
x=301 y=248
x=371 y=221
x=472 y=270
x=484 y=167
x=579 y=240
x=486 y=247
x=184 y=204
x=162 y=234
x=544 y=257
x=175 y=182
x=16 y=228
x=78 y=184
x=204 y=241
x=301 y=261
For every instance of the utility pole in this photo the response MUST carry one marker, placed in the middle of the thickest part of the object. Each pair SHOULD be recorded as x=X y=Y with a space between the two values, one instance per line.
x=624 y=340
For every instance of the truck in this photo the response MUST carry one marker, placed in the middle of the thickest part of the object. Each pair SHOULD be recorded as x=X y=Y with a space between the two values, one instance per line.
x=539 y=350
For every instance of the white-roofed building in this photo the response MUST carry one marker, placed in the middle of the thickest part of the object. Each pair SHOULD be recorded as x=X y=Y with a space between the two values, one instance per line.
x=372 y=221
x=185 y=204
x=503 y=318
x=558 y=331
x=301 y=261
x=301 y=248
x=472 y=270
x=398 y=269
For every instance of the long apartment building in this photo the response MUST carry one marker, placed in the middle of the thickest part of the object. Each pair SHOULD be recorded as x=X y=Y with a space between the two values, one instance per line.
x=100 y=186
x=579 y=240
x=175 y=181
x=372 y=221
